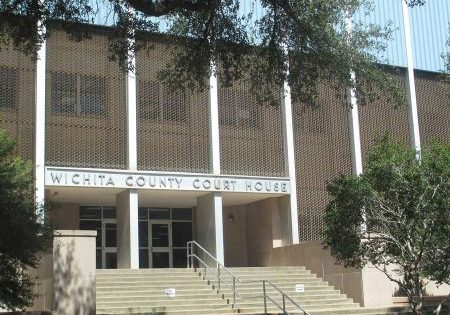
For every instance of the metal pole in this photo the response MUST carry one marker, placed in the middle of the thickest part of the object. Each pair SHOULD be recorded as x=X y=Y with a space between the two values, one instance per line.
x=204 y=265
x=218 y=277
x=234 y=292
x=187 y=255
x=284 y=305
x=264 y=295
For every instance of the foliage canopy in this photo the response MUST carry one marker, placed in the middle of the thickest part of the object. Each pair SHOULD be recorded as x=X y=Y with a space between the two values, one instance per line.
x=308 y=35
x=397 y=214
x=22 y=235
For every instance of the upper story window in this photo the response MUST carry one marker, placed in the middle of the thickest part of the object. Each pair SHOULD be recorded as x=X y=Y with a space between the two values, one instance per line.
x=156 y=102
x=9 y=80
x=78 y=94
x=238 y=108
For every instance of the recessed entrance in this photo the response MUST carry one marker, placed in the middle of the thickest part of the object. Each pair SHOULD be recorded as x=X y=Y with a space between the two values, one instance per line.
x=103 y=220
x=163 y=235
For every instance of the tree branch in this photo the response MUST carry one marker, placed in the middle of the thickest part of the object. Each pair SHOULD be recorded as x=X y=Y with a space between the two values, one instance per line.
x=165 y=7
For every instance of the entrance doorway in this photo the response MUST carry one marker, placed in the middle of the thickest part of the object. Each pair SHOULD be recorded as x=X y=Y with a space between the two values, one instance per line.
x=103 y=220
x=163 y=236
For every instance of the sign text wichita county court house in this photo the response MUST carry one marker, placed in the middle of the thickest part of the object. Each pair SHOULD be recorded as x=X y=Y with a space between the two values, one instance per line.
x=55 y=176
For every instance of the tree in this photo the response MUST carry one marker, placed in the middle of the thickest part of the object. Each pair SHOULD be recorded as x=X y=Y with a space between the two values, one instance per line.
x=307 y=35
x=395 y=216
x=23 y=232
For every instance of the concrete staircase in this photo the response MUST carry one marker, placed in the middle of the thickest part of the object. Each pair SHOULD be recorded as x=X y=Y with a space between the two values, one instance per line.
x=123 y=291
x=143 y=292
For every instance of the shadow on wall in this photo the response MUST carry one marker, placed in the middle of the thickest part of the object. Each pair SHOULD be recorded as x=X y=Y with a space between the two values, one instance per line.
x=74 y=291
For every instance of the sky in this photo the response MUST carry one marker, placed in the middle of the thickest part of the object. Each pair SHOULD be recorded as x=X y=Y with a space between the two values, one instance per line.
x=430 y=27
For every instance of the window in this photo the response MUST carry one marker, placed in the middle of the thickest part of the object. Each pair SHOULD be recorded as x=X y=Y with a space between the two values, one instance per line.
x=157 y=102
x=9 y=80
x=77 y=94
x=238 y=107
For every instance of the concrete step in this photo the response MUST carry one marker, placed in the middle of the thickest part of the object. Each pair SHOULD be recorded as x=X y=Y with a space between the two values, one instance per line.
x=142 y=292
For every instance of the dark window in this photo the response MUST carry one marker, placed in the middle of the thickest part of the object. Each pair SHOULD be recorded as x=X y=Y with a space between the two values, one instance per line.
x=159 y=214
x=181 y=233
x=9 y=80
x=158 y=103
x=77 y=94
x=182 y=214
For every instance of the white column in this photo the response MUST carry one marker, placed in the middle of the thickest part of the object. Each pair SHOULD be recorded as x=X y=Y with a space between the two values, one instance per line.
x=353 y=116
x=213 y=110
x=127 y=229
x=210 y=224
x=213 y=206
x=128 y=234
x=289 y=157
x=40 y=123
x=131 y=117
x=413 y=118
x=134 y=229
x=218 y=220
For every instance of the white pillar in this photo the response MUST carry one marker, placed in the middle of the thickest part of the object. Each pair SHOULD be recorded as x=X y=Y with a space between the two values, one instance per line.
x=131 y=117
x=210 y=206
x=289 y=159
x=127 y=229
x=413 y=118
x=127 y=201
x=210 y=224
x=353 y=116
x=40 y=123
x=213 y=110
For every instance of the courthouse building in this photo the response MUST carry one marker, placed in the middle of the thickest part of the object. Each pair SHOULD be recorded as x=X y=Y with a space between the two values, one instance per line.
x=150 y=169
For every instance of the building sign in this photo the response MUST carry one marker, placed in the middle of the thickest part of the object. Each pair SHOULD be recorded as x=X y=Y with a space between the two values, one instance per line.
x=58 y=176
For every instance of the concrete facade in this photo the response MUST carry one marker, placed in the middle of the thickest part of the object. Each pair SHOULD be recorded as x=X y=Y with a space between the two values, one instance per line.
x=252 y=175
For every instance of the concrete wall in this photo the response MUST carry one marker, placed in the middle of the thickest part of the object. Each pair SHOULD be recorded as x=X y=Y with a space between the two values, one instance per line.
x=74 y=272
x=43 y=285
x=235 y=235
x=368 y=287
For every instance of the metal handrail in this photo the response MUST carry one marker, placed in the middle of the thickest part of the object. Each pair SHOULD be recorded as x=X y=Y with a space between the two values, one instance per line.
x=220 y=277
x=234 y=279
x=284 y=297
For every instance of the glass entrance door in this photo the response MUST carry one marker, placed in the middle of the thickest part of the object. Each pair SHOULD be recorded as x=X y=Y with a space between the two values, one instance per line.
x=109 y=249
x=163 y=237
x=102 y=220
x=160 y=244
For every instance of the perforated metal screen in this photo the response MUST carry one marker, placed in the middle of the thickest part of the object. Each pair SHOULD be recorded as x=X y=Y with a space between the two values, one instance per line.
x=251 y=136
x=322 y=152
x=433 y=106
x=85 y=104
x=172 y=126
x=17 y=99
x=382 y=118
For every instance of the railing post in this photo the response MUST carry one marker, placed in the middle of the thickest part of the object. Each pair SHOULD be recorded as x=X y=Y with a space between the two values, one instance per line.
x=218 y=277
x=284 y=304
x=234 y=292
x=264 y=295
x=204 y=265
x=187 y=256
